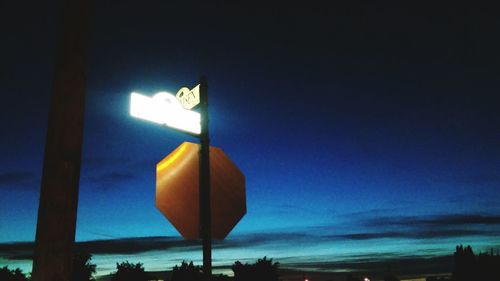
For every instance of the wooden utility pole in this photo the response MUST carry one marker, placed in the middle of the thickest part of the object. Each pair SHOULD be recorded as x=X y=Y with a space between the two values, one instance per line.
x=55 y=232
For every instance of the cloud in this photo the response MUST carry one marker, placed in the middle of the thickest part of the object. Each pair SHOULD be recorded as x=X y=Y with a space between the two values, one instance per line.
x=379 y=212
x=464 y=220
x=108 y=179
x=405 y=265
x=371 y=225
x=17 y=250
x=426 y=234
x=144 y=244
x=350 y=261
x=134 y=245
x=113 y=176
x=16 y=179
x=256 y=239
x=355 y=262
x=104 y=173
x=99 y=162
x=443 y=220
x=24 y=250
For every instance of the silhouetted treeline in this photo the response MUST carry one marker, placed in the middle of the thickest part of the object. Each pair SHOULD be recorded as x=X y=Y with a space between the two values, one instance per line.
x=190 y=272
x=433 y=278
x=389 y=276
x=7 y=274
x=263 y=270
x=126 y=271
x=469 y=267
x=186 y=272
x=83 y=269
x=466 y=267
x=350 y=277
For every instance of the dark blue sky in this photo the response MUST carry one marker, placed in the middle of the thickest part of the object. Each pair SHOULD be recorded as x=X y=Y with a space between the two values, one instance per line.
x=351 y=121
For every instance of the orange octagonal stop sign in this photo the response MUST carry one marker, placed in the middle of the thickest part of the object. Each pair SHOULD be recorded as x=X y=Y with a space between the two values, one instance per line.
x=177 y=192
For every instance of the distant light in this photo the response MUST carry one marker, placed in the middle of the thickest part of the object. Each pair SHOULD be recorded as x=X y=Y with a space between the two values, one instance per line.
x=366 y=279
x=164 y=108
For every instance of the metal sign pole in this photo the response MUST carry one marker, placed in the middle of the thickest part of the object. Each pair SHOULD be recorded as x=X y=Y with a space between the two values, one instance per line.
x=205 y=208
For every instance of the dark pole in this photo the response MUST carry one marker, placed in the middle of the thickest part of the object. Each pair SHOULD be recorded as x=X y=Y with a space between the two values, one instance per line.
x=56 y=225
x=205 y=214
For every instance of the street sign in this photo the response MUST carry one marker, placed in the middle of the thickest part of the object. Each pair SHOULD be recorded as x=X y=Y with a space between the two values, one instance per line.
x=177 y=192
x=164 y=108
x=189 y=98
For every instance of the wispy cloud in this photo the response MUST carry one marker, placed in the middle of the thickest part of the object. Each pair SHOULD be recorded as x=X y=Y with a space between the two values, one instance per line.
x=105 y=173
x=443 y=220
x=17 y=250
x=303 y=244
x=112 y=176
x=23 y=250
x=149 y=248
x=381 y=225
x=105 y=180
x=427 y=234
x=99 y=162
x=405 y=265
x=124 y=161
x=134 y=245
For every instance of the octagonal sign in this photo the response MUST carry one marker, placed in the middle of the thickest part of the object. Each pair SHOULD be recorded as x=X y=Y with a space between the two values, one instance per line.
x=177 y=192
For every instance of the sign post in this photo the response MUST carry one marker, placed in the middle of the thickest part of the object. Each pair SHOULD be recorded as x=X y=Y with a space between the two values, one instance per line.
x=173 y=111
x=205 y=209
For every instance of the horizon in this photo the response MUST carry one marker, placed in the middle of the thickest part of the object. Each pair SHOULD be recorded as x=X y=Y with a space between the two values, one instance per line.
x=318 y=253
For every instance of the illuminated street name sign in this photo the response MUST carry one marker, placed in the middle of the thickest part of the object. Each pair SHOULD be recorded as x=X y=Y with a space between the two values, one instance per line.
x=189 y=98
x=164 y=108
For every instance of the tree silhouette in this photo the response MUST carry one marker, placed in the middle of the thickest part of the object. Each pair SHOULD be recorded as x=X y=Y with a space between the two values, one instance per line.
x=352 y=278
x=389 y=275
x=221 y=277
x=465 y=266
x=488 y=266
x=127 y=271
x=83 y=270
x=263 y=270
x=190 y=272
x=434 y=278
x=12 y=275
x=186 y=272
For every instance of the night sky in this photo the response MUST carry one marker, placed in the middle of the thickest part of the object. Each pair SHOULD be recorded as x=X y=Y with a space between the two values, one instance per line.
x=363 y=130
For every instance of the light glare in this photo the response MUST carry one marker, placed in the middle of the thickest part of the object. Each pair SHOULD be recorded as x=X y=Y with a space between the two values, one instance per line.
x=163 y=108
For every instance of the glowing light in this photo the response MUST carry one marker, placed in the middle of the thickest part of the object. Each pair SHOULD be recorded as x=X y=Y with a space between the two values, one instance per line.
x=163 y=108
